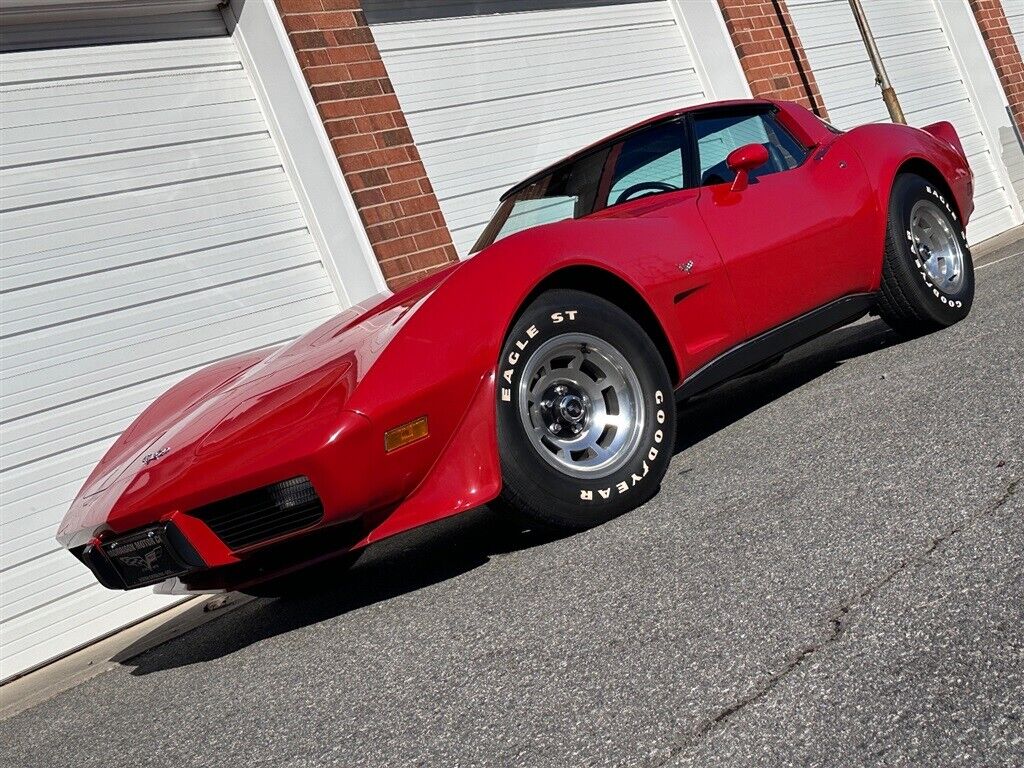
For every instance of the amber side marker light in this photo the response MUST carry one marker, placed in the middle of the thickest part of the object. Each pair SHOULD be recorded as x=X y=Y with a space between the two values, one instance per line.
x=405 y=434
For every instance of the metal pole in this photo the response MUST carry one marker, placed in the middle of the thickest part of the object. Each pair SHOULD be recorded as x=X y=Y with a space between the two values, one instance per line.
x=892 y=102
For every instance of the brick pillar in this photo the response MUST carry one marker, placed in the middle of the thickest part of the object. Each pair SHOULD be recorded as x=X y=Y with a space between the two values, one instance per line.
x=771 y=53
x=1005 y=55
x=370 y=136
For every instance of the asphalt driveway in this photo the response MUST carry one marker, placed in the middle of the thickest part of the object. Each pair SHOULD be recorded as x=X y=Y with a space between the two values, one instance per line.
x=833 y=574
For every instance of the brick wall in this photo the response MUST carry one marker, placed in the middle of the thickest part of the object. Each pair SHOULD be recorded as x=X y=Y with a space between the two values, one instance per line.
x=1005 y=55
x=370 y=137
x=770 y=52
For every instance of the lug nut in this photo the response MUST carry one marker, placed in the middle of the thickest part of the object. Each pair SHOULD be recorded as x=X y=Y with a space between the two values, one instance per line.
x=556 y=428
x=546 y=404
x=560 y=390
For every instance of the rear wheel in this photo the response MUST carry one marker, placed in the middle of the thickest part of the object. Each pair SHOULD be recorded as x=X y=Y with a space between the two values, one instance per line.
x=927 y=275
x=586 y=413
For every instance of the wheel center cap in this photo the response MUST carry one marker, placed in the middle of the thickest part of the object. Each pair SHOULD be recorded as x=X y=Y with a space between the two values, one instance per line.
x=571 y=408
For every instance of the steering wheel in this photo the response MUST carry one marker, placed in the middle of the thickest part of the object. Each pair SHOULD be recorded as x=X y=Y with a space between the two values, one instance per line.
x=647 y=187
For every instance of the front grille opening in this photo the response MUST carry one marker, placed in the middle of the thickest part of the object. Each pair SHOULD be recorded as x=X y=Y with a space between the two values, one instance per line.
x=264 y=514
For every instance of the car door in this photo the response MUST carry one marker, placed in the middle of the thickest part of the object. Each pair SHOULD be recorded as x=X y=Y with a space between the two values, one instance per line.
x=647 y=186
x=792 y=240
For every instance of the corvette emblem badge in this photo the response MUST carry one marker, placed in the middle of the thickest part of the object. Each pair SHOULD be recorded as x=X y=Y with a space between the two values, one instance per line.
x=149 y=458
x=146 y=562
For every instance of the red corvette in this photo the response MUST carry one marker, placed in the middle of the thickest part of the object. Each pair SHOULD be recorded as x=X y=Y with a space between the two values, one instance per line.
x=541 y=375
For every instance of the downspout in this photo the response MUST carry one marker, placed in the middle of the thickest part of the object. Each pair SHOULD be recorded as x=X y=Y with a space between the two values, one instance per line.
x=892 y=102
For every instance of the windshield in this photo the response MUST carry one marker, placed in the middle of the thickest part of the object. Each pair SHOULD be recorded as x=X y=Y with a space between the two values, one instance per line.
x=568 y=192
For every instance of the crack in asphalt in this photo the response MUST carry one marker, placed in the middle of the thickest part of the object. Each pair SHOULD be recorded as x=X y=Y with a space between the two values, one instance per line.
x=837 y=623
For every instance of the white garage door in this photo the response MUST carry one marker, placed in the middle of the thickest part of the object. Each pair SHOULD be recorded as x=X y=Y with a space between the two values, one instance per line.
x=923 y=70
x=492 y=98
x=148 y=229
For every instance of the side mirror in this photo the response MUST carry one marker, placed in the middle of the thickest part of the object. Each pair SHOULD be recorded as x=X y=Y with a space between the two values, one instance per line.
x=744 y=160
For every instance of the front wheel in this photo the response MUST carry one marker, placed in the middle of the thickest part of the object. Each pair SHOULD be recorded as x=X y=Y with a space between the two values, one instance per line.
x=927 y=275
x=586 y=413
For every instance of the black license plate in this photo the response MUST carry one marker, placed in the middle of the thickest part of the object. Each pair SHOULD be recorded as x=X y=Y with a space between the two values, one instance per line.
x=143 y=558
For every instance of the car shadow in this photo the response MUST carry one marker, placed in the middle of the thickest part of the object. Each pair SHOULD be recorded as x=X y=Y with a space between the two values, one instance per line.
x=457 y=545
x=708 y=413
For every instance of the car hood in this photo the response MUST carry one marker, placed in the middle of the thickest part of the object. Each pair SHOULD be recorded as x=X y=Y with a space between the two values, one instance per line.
x=237 y=402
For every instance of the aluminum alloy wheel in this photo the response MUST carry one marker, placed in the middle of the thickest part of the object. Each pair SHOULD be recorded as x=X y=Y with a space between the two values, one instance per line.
x=581 y=405
x=938 y=247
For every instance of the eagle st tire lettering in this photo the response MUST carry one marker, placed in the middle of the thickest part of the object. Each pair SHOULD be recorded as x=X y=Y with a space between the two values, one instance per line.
x=521 y=345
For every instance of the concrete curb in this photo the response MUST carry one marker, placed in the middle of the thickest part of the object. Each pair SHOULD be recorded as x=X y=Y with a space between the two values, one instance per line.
x=992 y=250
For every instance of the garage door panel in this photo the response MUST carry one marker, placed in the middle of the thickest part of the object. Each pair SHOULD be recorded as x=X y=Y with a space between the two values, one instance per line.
x=103 y=220
x=147 y=228
x=488 y=73
x=38 y=105
x=307 y=306
x=491 y=99
x=32 y=439
x=150 y=354
x=1014 y=10
x=43 y=573
x=102 y=338
x=71 y=63
x=38 y=495
x=37 y=185
x=120 y=290
x=221 y=224
x=984 y=226
x=443 y=125
x=448 y=31
x=43 y=581
x=110 y=135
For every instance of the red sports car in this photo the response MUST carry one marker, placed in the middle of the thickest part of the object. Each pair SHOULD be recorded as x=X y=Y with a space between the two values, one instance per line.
x=541 y=375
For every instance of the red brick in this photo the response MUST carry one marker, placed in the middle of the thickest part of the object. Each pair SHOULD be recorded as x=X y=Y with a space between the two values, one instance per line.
x=396 y=267
x=314 y=58
x=370 y=137
x=415 y=224
x=347 y=54
x=774 y=68
x=368 y=69
x=430 y=258
x=375 y=177
x=350 y=36
x=431 y=239
x=305 y=40
x=350 y=145
x=392 y=248
x=334 y=73
x=299 y=6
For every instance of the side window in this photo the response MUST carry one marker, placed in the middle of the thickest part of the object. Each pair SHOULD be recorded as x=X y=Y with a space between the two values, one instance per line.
x=717 y=136
x=647 y=163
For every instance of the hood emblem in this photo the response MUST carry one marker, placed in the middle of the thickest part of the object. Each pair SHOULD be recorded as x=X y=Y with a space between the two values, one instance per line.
x=149 y=458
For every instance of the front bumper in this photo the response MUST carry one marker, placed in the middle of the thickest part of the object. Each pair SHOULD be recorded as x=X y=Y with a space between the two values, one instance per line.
x=205 y=538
